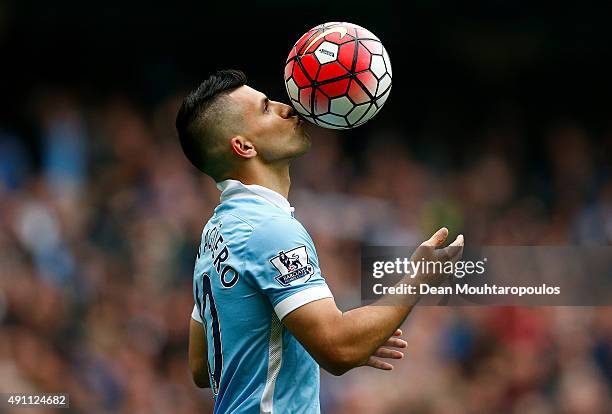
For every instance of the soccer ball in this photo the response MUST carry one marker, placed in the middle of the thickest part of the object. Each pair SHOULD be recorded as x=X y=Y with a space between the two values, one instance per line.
x=338 y=75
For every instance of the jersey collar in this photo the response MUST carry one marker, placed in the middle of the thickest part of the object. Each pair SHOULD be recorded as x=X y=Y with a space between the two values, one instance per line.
x=234 y=188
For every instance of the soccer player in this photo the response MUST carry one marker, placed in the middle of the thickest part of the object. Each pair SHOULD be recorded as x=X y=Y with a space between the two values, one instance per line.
x=264 y=319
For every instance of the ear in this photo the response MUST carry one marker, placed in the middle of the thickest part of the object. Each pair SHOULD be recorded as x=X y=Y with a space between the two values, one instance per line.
x=243 y=147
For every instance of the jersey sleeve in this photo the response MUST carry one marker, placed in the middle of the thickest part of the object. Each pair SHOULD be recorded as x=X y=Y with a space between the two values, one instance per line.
x=282 y=263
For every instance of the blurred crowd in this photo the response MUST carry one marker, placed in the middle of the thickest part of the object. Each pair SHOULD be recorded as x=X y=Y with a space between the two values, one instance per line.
x=99 y=226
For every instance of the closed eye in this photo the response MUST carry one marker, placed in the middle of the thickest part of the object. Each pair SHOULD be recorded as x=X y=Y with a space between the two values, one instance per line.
x=266 y=102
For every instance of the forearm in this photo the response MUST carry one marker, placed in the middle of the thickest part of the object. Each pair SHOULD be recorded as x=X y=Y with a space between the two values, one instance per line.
x=345 y=340
x=360 y=332
x=341 y=341
x=198 y=354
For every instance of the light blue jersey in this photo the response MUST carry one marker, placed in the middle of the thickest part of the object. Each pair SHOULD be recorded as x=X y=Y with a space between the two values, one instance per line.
x=256 y=264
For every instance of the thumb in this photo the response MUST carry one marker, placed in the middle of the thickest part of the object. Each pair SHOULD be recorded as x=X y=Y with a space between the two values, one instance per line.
x=437 y=238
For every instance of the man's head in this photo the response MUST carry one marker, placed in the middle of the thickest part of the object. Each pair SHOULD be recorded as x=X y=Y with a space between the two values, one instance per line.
x=225 y=126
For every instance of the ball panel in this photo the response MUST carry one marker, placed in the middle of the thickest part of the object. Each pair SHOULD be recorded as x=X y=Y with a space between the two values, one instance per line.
x=300 y=78
x=368 y=80
x=350 y=29
x=335 y=38
x=330 y=71
x=363 y=59
x=303 y=41
x=309 y=118
x=357 y=94
x=377 y=111
x=334 y=120
x=381 y=100
x=368 y=115
x=335 y=88
x=383 y=85
x=357 y=113
x=305 y=95
x=300 y=108
x=292 y=54
x=314 y=45
x=345 y=55
x=341 y=106
x=365 y=34
x=378 y=66
x=326 y=52
x=353 y=26
x=321 y=103
x=310 y=64
x=374 y=46
x=289 y=69
x=292 y=90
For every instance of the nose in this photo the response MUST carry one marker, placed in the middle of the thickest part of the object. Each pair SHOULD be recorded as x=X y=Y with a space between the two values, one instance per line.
x=286 y=111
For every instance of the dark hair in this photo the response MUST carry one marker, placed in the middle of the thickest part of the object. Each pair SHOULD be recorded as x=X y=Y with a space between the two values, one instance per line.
x=193 y=124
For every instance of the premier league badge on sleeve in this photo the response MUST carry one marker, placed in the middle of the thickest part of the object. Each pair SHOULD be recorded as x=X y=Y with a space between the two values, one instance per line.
x=292 y=266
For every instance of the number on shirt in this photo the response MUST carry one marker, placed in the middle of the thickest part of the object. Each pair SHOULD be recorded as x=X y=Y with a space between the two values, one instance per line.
x=216 y=332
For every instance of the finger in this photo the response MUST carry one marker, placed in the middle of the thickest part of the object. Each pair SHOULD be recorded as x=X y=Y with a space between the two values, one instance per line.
x=396 y=343
x=398 y=332
x=458 y=241
x=437 y=238
x=378 y=364
x=388 y=353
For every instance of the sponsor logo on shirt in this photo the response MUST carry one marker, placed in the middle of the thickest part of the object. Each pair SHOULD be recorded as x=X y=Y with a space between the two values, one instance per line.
x=292 y=266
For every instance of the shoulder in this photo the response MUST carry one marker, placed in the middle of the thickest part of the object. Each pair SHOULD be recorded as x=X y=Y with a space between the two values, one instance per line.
x=280 y=227
x=279 y=233
x=255 y=228
x=250 y=211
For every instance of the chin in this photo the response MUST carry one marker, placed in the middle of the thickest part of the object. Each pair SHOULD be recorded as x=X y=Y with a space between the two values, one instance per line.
x=306 y=143
x=301 y=149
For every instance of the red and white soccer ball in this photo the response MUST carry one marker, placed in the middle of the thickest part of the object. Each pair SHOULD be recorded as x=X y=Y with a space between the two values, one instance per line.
x=338 y=75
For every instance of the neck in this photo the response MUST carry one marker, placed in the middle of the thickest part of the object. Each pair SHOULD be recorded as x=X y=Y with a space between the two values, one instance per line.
x=273 y=177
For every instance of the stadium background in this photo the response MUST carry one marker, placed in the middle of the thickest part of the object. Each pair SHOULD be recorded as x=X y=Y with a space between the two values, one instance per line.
x=498 y=126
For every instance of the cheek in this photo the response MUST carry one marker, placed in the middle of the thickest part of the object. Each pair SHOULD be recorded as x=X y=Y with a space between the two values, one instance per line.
x=255 y=129
x=267 y=127
x=278 y=129
x=272 y=130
